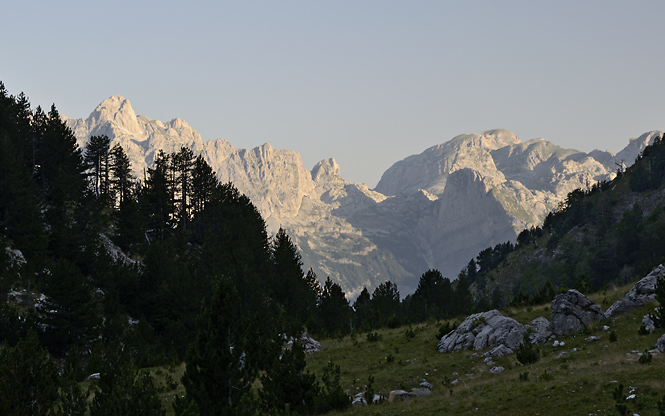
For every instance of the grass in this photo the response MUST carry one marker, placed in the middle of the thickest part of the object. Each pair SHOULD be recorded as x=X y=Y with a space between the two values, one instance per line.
x=580 y=382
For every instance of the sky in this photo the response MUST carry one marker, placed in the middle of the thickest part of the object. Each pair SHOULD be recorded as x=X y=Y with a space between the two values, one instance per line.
x=366 y=82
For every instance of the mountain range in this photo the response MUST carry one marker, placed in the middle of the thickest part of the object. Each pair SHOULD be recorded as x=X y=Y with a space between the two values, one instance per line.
x=434 y=210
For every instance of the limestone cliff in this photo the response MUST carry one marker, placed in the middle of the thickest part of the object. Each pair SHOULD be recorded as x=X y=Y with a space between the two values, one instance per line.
x=437 y=209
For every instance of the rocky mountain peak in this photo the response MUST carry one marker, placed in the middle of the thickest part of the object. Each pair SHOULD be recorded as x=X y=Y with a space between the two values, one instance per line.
x=117 y=110
x=327 y=168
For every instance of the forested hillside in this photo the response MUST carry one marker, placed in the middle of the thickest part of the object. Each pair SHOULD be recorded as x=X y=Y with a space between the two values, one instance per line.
x=102 y=270
x=609 y=233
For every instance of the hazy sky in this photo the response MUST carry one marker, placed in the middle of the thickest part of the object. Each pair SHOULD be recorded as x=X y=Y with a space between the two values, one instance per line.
x=365 y=82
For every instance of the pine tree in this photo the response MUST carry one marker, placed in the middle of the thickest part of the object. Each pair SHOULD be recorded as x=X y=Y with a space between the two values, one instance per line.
x=157 y=200
x=287 y=382
x=291 y=289
x=96 y=158
x=121 y=177
x=204 y=182
x=182 y=164
x=221 y=364
x=334 y=310
x=385 y=302
x=363 y=311
x=28 y=379
x=122 y=390
x=71 y=315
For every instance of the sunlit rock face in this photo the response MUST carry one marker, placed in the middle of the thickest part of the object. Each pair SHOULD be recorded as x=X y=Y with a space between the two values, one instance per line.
x=436 y=210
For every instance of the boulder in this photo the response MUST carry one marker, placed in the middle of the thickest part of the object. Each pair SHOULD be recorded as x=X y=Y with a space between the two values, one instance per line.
x=426 y=385
x=421 y=391
x=309 y=344
x=359 y=400
x=540 y=330
x=399 y=396
x=572 y=311
x=660 y=344
x=497 y=370
x=482 y=330
x=643 y=292
x=648 y=323
x=499 y=351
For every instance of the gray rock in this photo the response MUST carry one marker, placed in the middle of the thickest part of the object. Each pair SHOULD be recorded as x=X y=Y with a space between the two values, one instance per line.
x=455 y=382
x=572 y=311
x=660 y=344
x=541 y=330
x=421 y=392
x=489 y=361
x=359 y=401
x=643 y=292
x=399 y=396
x=497 y=370
x=426 y=385
x=377 y=399
x=592 y=338
x=499 y=351
x=648 y=323
x=483 y=330
x=309 y=344
x=93 y=376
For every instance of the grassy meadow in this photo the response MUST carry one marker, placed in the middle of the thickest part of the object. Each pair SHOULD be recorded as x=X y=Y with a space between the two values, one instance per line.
x=561 y=382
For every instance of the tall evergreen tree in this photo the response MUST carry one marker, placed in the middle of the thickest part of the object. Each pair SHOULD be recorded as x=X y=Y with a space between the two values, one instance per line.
x=96 y=158
x=182 y=164
x=28 y=379
x=385 y=301
x=122 y=390
x=221 y=364
x=291 y=289
x=334 y=310
x=287 y=382
x=121 y=177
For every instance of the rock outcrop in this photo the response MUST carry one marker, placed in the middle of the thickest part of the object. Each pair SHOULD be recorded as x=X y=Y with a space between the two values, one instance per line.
x=660 y=344
x=572 y=311
x=540 y=330
x=483 y=330
x=643 y=292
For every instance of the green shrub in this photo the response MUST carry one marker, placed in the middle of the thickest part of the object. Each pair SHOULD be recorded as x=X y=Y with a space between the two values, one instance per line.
x=546 y=376
x=524 y=376
x=645 y=358
x=620 y=400
x=643 y=330
x=369 y=389
x=373 y=337
x=527 y=353
x=409 y=334
x=661 y=406
x=613 y=336
x=446 y=328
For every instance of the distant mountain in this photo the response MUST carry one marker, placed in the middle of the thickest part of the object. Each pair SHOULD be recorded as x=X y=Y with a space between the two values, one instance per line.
x=433 y=210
